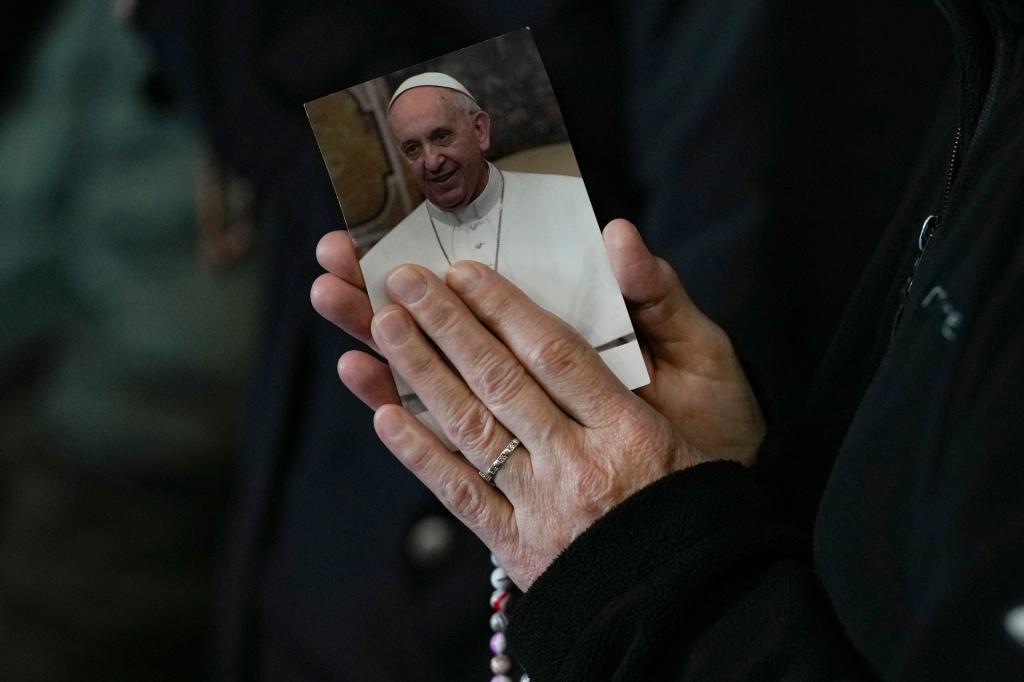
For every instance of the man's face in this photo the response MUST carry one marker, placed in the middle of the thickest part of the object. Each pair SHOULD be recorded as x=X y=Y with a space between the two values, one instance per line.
x=443 y=145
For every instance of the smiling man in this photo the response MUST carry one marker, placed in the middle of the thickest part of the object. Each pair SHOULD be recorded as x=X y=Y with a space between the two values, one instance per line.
x=537 y=230
x=443 y=134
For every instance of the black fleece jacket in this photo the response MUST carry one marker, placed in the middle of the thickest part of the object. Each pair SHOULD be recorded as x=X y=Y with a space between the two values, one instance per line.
x=910 y=456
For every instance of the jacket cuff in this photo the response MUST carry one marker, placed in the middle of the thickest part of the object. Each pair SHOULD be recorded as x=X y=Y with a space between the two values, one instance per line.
x=701 y=520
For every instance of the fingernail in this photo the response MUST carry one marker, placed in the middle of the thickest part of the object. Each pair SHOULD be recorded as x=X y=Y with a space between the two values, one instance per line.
x=463 y=277
x=393 y=327
x=407 y=285
x=389 y=423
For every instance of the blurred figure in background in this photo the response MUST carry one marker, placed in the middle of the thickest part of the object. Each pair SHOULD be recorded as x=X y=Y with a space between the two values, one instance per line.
x=122 y=365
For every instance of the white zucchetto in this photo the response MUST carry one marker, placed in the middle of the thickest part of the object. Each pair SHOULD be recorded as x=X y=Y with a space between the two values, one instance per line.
x=430 y=78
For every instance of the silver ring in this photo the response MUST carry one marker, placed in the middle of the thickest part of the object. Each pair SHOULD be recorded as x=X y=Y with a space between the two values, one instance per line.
x=493 y=470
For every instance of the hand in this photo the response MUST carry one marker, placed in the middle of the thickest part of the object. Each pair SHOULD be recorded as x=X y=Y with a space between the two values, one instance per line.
x=697 y=382
x=696 y=379
x=588 y=443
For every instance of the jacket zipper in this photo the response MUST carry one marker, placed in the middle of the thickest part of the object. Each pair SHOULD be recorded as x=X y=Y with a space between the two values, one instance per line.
x=928 y=228
x=950 y=174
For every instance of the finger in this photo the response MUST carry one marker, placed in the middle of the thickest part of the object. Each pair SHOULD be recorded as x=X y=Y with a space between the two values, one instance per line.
x=492 y=372
x=337 y=255
x=368 y=378
x=673 y=327
x=482 y=508
x=468 y=423
x=561 y=361
x=343 y=304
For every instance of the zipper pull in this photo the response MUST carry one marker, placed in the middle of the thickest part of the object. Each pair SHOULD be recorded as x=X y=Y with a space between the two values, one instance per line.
x=927 y=228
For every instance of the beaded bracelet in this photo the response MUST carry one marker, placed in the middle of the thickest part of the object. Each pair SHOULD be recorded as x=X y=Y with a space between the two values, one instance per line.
x=501 y=664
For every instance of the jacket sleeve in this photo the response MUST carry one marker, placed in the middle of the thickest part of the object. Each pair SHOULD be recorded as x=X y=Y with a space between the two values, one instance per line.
x=689 y=579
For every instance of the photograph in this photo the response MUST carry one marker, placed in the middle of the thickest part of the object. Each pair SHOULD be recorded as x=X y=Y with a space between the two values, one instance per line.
x=466 y=157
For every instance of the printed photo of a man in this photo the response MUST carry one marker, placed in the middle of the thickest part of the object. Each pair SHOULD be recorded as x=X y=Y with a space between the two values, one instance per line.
x=537 y=229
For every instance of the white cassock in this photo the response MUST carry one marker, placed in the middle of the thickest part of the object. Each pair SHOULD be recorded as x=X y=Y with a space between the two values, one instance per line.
x=550 y=247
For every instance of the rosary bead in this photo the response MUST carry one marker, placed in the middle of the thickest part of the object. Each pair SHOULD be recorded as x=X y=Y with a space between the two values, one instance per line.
x=499 y=600
x=500 y=664
x=499 y=579
x=524 y=678
x=498 y=643
x=499 y=621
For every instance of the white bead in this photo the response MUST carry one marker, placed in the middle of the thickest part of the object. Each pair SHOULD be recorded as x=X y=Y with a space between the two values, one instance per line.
x=499 y=579
x=499 y=621
x=524 y=678
x=494 y=560
x=500 y=600
x=500 y=664
x=429 y=540
x=501 y=678
x=1014 y=623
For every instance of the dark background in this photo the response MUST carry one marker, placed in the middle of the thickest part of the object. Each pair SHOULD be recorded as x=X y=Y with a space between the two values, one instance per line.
x=187 y=491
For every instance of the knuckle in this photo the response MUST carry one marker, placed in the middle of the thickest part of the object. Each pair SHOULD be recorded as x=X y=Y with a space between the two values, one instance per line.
x=644 y=437
x=465 y=500
x=594 y=488
x=556 y=355
x=717 y=339
x=602 y=402
x=651 y=448
x=440 y=317
x=418 y=456
x=500 y=381
x=561 y=441
x=504 y=305
x=473 y=428
x=418 y=366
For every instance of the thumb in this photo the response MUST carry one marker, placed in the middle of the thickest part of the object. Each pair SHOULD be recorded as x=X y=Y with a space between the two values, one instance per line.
x=665 y=317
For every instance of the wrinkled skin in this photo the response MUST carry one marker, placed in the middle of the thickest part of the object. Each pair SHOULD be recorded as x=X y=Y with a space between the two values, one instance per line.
x=443 y=145
x=587 y=442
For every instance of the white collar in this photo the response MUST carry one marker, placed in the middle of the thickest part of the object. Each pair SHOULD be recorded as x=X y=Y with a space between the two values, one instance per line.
x=476 y=209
